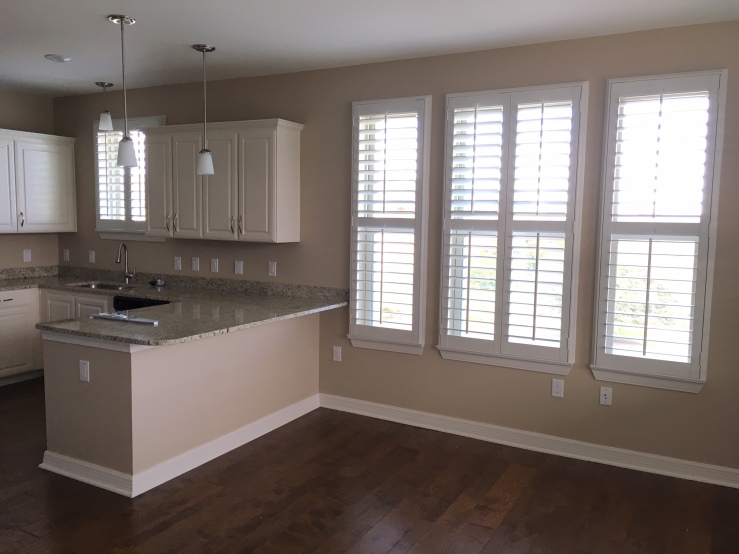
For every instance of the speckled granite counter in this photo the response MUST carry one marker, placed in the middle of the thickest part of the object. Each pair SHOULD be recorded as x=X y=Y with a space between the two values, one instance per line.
x=196 y=310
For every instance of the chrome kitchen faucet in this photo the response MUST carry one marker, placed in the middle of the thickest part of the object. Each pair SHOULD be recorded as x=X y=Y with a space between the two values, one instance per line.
x=126 y=275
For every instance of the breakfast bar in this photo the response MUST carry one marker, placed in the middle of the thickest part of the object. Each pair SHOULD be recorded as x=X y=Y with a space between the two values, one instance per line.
x=130 y=406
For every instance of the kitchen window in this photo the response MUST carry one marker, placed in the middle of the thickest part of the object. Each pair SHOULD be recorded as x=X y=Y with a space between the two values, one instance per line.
x=513 y=179
x=121 y=192
x=658 y=221
x=389 y=224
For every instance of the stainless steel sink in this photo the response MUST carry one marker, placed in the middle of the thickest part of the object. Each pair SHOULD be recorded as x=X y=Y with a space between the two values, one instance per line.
x=101 y=285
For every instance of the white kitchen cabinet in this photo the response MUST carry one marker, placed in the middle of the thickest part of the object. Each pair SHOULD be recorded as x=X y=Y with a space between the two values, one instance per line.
x=20 y=342
x=37 y=186
x=56 y=305
x=254 y=194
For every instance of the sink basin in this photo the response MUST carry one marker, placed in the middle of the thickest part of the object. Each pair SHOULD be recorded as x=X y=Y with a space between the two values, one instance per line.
x=100 y=285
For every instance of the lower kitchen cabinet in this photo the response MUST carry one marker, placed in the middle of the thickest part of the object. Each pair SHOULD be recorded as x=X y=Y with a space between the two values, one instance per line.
x=57 y=305
x=20 y=342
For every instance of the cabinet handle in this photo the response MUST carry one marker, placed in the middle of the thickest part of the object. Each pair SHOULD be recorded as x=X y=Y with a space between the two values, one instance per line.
x=6 y=300
x=166 y=222
x=175 y=226
x=241 y=224
x=232 y=225
x=23 y=219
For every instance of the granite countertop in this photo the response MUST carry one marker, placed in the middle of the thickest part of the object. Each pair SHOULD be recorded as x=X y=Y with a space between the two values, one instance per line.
x=194 y=312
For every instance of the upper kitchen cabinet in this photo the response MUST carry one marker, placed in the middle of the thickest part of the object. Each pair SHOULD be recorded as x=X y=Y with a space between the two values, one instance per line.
x=253 y=195
x=37 y=187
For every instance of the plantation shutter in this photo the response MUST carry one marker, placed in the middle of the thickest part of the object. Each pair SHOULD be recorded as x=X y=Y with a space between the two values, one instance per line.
x=511 y=183
x=121 y=192
x=389 y=224
x=654 y=244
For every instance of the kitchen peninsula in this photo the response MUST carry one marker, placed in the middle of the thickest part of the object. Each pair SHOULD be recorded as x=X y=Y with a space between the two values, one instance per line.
x=221 y=369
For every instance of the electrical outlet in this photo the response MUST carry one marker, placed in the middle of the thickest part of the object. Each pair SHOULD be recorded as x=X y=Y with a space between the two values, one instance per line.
x=66 y=254
x=239 y=267
x=214 y=265
x=85 y=371
x=337 y=353
x=26 y=254
x=177 y=263
x=272 y=271
x=195 y=263
x=606 y=396
x=558 y=388
x=91 y=256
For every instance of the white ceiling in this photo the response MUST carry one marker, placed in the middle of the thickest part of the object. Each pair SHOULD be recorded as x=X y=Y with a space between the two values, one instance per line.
x=261 y=37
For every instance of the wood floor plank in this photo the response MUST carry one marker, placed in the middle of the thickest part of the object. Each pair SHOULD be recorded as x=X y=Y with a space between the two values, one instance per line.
x=332 y=482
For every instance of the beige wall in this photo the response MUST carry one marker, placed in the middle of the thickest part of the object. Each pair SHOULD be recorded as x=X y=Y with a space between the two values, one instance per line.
x=21 y=111
x=675 y=424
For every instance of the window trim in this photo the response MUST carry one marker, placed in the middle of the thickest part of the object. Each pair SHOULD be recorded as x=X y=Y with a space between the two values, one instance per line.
x=602 y=364
x=116 y=229
x=474 y=351
x=395 y=340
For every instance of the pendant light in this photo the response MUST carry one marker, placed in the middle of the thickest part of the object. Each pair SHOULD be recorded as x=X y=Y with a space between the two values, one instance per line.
x=106 y=122
x=126 y=151
x=205 y=159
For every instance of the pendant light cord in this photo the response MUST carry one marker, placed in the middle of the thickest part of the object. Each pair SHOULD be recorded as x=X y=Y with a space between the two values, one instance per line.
x=205 y=107
x=123 y=66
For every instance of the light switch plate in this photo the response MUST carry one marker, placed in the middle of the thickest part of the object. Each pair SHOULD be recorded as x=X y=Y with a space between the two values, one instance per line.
x=195 y=263
x=337 y=353
x=85 y=371
x=26 y=254
x=272 y=269
x=214 y=265
x=91 y=256
x=66 y=254
x=239 y=267
x=177 y=263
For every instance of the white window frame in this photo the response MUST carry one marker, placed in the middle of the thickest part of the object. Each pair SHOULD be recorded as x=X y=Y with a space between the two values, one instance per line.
x=687 y=377
x=122 y=229
x=376 y=337
x=500 y=351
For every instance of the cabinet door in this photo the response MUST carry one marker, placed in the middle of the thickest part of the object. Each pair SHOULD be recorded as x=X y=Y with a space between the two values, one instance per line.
x=56 y=306
x=7 y=187
x=159 y=185
x=220 y=189
x=186 y=186
x=44 y=171
x=18 y=315
x=85 y=306
x=256 y=185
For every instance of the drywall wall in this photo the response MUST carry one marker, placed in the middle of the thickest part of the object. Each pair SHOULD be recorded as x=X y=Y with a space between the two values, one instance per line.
x=22 y=111
x=692 y=427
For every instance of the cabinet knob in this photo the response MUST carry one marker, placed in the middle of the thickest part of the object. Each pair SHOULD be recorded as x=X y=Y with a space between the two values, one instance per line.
x=23 y=219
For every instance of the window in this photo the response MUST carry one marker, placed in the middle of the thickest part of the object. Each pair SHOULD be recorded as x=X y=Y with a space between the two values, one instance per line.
x=512 y=181
x=389 y=224
x=121 y=192
x=660 y=192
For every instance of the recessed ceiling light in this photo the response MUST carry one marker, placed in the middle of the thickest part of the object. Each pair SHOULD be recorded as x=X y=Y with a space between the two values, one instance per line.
x=58 y=58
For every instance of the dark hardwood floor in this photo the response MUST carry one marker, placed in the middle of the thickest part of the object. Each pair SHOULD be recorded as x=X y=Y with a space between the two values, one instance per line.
x=332 y=482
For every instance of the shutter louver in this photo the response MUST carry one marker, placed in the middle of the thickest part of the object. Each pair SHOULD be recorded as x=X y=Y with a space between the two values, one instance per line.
x=111 y=178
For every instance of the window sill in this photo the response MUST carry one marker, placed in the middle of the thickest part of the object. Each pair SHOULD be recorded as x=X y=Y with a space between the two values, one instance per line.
x=542 y=366
x=402 y=348
x=129 y=236
x=645 y=380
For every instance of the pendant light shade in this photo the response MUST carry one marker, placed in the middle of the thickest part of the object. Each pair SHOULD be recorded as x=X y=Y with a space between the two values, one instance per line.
x=106 y=122
x=205 y=159
x=126 y=151
x=205 y=163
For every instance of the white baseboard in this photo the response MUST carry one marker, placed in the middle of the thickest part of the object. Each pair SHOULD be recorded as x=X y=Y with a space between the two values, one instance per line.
x=133 y=485
x=650 y=463
x=98 y=476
